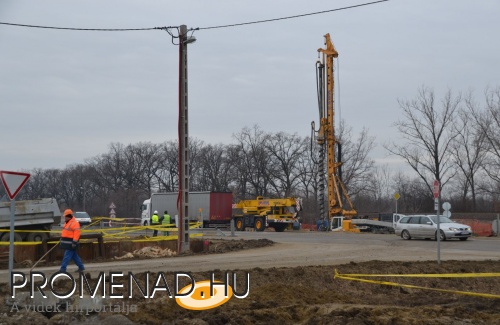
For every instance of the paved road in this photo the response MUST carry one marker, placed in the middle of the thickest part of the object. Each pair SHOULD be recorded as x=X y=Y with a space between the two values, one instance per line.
x=304 y=249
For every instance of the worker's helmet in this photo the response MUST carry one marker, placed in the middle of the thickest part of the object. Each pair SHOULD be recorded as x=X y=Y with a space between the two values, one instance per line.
x=156 y=212
x=68 y=213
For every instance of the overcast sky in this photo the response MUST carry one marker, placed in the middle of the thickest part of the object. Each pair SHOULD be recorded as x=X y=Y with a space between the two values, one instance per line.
x=66 y=95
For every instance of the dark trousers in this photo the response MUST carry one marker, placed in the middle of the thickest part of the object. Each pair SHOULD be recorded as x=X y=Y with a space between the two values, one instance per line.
x=155 y=232
x=68 y=256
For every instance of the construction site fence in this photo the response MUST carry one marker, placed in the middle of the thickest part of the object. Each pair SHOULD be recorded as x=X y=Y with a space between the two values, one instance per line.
x=479 y=228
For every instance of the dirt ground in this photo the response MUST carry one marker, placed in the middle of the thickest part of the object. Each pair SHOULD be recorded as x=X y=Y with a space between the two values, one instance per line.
x=311 y=295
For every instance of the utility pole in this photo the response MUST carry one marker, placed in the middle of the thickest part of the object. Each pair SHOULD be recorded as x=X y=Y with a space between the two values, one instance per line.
x=183 y=237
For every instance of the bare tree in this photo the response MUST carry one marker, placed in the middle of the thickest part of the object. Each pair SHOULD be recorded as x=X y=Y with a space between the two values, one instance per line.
x=488 y=122
x=254 y=160
x=468 y=150
x=113 y=179
x=308 y=182
x=168 y=171
x=195 y=163
x=379 y=197
x=110 y=167
x=71 y=190
x=357 y=166
x=308 y=171
x=144 y=161
x=239 y=175
x=285 y=151
x=43 y=183
x=427 y=132
x=415 y=196
x=215 y=169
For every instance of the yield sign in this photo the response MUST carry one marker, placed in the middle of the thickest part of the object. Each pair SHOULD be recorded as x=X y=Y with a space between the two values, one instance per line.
x=13 y=182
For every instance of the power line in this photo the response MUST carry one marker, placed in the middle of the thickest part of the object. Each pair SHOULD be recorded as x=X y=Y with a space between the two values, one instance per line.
x=85 y=29
x=201 y=28
x=296 y=16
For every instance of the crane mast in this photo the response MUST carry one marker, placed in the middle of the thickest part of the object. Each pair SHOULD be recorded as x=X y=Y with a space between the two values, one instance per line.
x=325 y=137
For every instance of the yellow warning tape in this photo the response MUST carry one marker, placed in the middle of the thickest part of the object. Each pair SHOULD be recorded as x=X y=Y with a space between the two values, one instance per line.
x=114 y=233
x=355 y=277
x=20 y=243
x=430 y=275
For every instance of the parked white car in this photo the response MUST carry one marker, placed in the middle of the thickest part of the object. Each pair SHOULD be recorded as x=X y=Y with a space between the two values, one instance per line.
x=425 y=226
x=83 y=218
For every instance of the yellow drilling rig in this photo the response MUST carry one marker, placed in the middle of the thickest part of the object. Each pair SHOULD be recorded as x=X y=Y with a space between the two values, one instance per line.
x=340 y=210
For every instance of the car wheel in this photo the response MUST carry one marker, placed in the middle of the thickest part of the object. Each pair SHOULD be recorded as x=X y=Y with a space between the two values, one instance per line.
x=405 y=235
x=442 y=237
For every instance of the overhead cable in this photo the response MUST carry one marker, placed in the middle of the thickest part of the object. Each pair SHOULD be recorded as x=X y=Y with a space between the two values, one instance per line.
x=85 y=29
x=201 y=28
x=296 y=16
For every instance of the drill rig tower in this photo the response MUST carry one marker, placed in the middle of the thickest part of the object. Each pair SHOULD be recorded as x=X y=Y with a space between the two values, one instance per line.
x=326 y=140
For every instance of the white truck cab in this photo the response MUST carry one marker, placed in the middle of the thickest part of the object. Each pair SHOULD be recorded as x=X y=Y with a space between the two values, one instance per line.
x=146 y=212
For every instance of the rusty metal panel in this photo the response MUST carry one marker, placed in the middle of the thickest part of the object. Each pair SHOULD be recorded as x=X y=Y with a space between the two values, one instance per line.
x=23 y=253
x=112 y=249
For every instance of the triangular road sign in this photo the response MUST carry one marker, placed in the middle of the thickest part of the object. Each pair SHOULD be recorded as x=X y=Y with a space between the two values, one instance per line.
x=13 y=182
x=112 y=206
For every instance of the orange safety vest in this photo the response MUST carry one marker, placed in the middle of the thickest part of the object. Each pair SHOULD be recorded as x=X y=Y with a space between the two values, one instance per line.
x=70 y=233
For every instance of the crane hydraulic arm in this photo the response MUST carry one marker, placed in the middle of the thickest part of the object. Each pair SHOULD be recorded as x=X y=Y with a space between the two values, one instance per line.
x=326 y=139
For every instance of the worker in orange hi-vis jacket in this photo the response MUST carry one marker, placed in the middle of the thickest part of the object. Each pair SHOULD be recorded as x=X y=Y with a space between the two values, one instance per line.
x=70 y=237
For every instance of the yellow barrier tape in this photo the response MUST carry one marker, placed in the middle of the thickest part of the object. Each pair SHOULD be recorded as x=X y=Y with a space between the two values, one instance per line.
x=93 y=223
x=354 y=277
x=109 y=218
x=430 y=275
x=149 y=239
x=17 y=230
x=112 y=233
x=20 y=243
x=163 y=238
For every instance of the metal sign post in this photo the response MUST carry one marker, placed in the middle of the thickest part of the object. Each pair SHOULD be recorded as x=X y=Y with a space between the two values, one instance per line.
x=13 y=183
x=396 y=197
x=11 y=244
x=435 y=192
